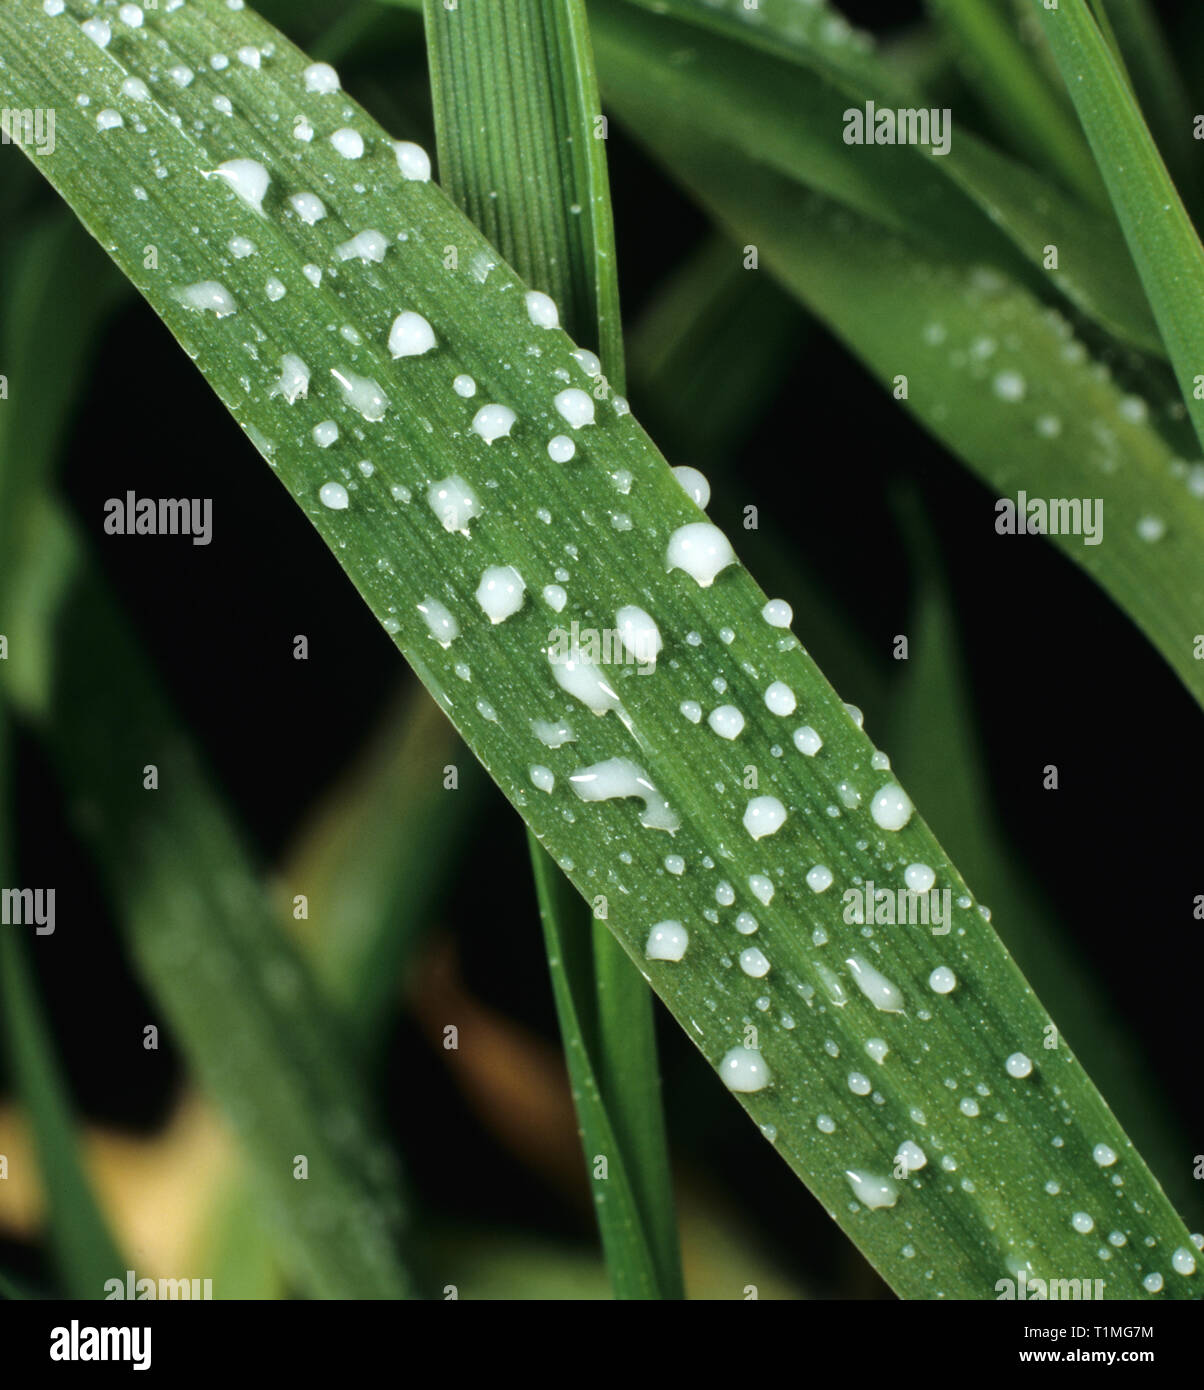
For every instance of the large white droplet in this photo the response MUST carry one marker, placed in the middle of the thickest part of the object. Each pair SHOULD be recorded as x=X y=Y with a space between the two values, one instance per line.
x=942 y=980
x=639 y=634
x=321 y=78
x=411 y=335
x=807 y=741
x=761 y=887
x=454 y=503
x=583 y=679
x=440 y=621
x=875 y=986
x=561 y=448
x=919 y=878
x=744 y=1070
x=754 y=962
x=553 y=733
x=1018 y=1065
x=702 y=550
x=764 y=815
x=575 y=406
x=362 y=394
x=210 y=296
x=493 y=422
x=871 y=1191
x=912 y=1157
x=334 y=496
x=694 y=483
x=249 y=180
x=541 y=309
x=349 y=143
x=726 y=720
x=308 y=207
x=667 y=941
x=620 y=777
x=779 y=699
x=368 y=245
x=413 y=161
x=500 y=592
x=778 y=613
x=294 y=378
x=891 y=808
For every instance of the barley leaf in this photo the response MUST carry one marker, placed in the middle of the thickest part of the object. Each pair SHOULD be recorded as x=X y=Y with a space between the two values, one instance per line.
x=837 y=1038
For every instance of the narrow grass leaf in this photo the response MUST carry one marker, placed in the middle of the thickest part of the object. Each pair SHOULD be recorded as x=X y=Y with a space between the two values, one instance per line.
x=859 y=1048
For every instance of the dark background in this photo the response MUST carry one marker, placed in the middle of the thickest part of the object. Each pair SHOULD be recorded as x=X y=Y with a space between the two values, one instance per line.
x=1059 y=675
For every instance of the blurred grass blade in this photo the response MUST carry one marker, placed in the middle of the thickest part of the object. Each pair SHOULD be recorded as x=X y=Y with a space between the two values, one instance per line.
x=877 y=291
x=1163 y=242
x=1015 y=94
x=84 y=1251
x=609 y=519
x=523 y=75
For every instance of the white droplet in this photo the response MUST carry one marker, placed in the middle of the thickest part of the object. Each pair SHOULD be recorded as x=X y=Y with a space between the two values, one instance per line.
x=691 y=710
x=667 y=941
x=778 y=613
x=493 y=422
x=53 y=7
x=209 y=295
x=744 y=1070
x=274 y=289
x=500 y=592
x=575 y=406
x=325 y=434
x=249 y=56
x=463 y=385
x=675 y=865
x=819 y=878
x=746 y=923
x=248 y=179
x=240 y=247
x=302 y=130
x=695 y=484
x=779 y=699
x=349 y=143
x=440 y=621
x=1104 y=1155
x=362 y=394
x=313 y=274
x=875 y=986
x=891 y=808
x=618 y=778
x=1183 y=1261
x=968 y=1106
x=583 y=679
x=294 y=379
x=411 y=335
x=321 y=78
x=1009 y=386
x=807 y=741
x=108 y=119
x=541 y=309
x=454 y=503
x=942 y=980
x=1151 y=528
x=702 y=550
x=754 y=962
x=1152 y=1283
x=334 y=496
x=764 y=815
x=561 y=448
x=555 y=597
x=726 y=720
x=308 y=207
x=98 y=31
x=130 y=15
x=761 y=888
x=553 y=733
x=589 y=361
x=912 y=1157
x=368 y=245
x=859 y=1083
x=543 y=778
x=413 y=161
x=135 y=89
x=1082 y=1222
x=1018 y=1065
x=639 y=634
x=919 y=878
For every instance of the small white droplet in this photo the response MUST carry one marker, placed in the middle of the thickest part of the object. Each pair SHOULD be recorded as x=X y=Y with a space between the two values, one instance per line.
x=1104 y=1155
x=320 y=78
x=108 y=119
x=1152 y=1283
x=778 y=613
x=675 y=865
x=541 y=309
x=334 y=496
x=413 y=161
x=859 y=1083
x=912 y=1157
x=807 y=741
x=875 y=986
x=726 y=720
x=780 y=699
x=1018 y=1065
x=692 y=710
x=349 y=143
x=1082 y=1222
x=367 y=246
x=561 y=448
x=942 y=980
x=754 y=962
x=248 y=179
x=746 y=923
x=819 y=878
x=440 y=621
x=210 y=296
x=761 y=888
x=919 y=878
x=543 y=778
x=463 y=385
x=639 y=635
x=325 y=434
x=308 y=207
x=454 y=503
x=1183 y=1261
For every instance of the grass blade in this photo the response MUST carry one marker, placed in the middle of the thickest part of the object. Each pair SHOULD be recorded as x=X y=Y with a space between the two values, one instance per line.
x=1162 y=240
x=524 y=74
x=1000 y=1214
